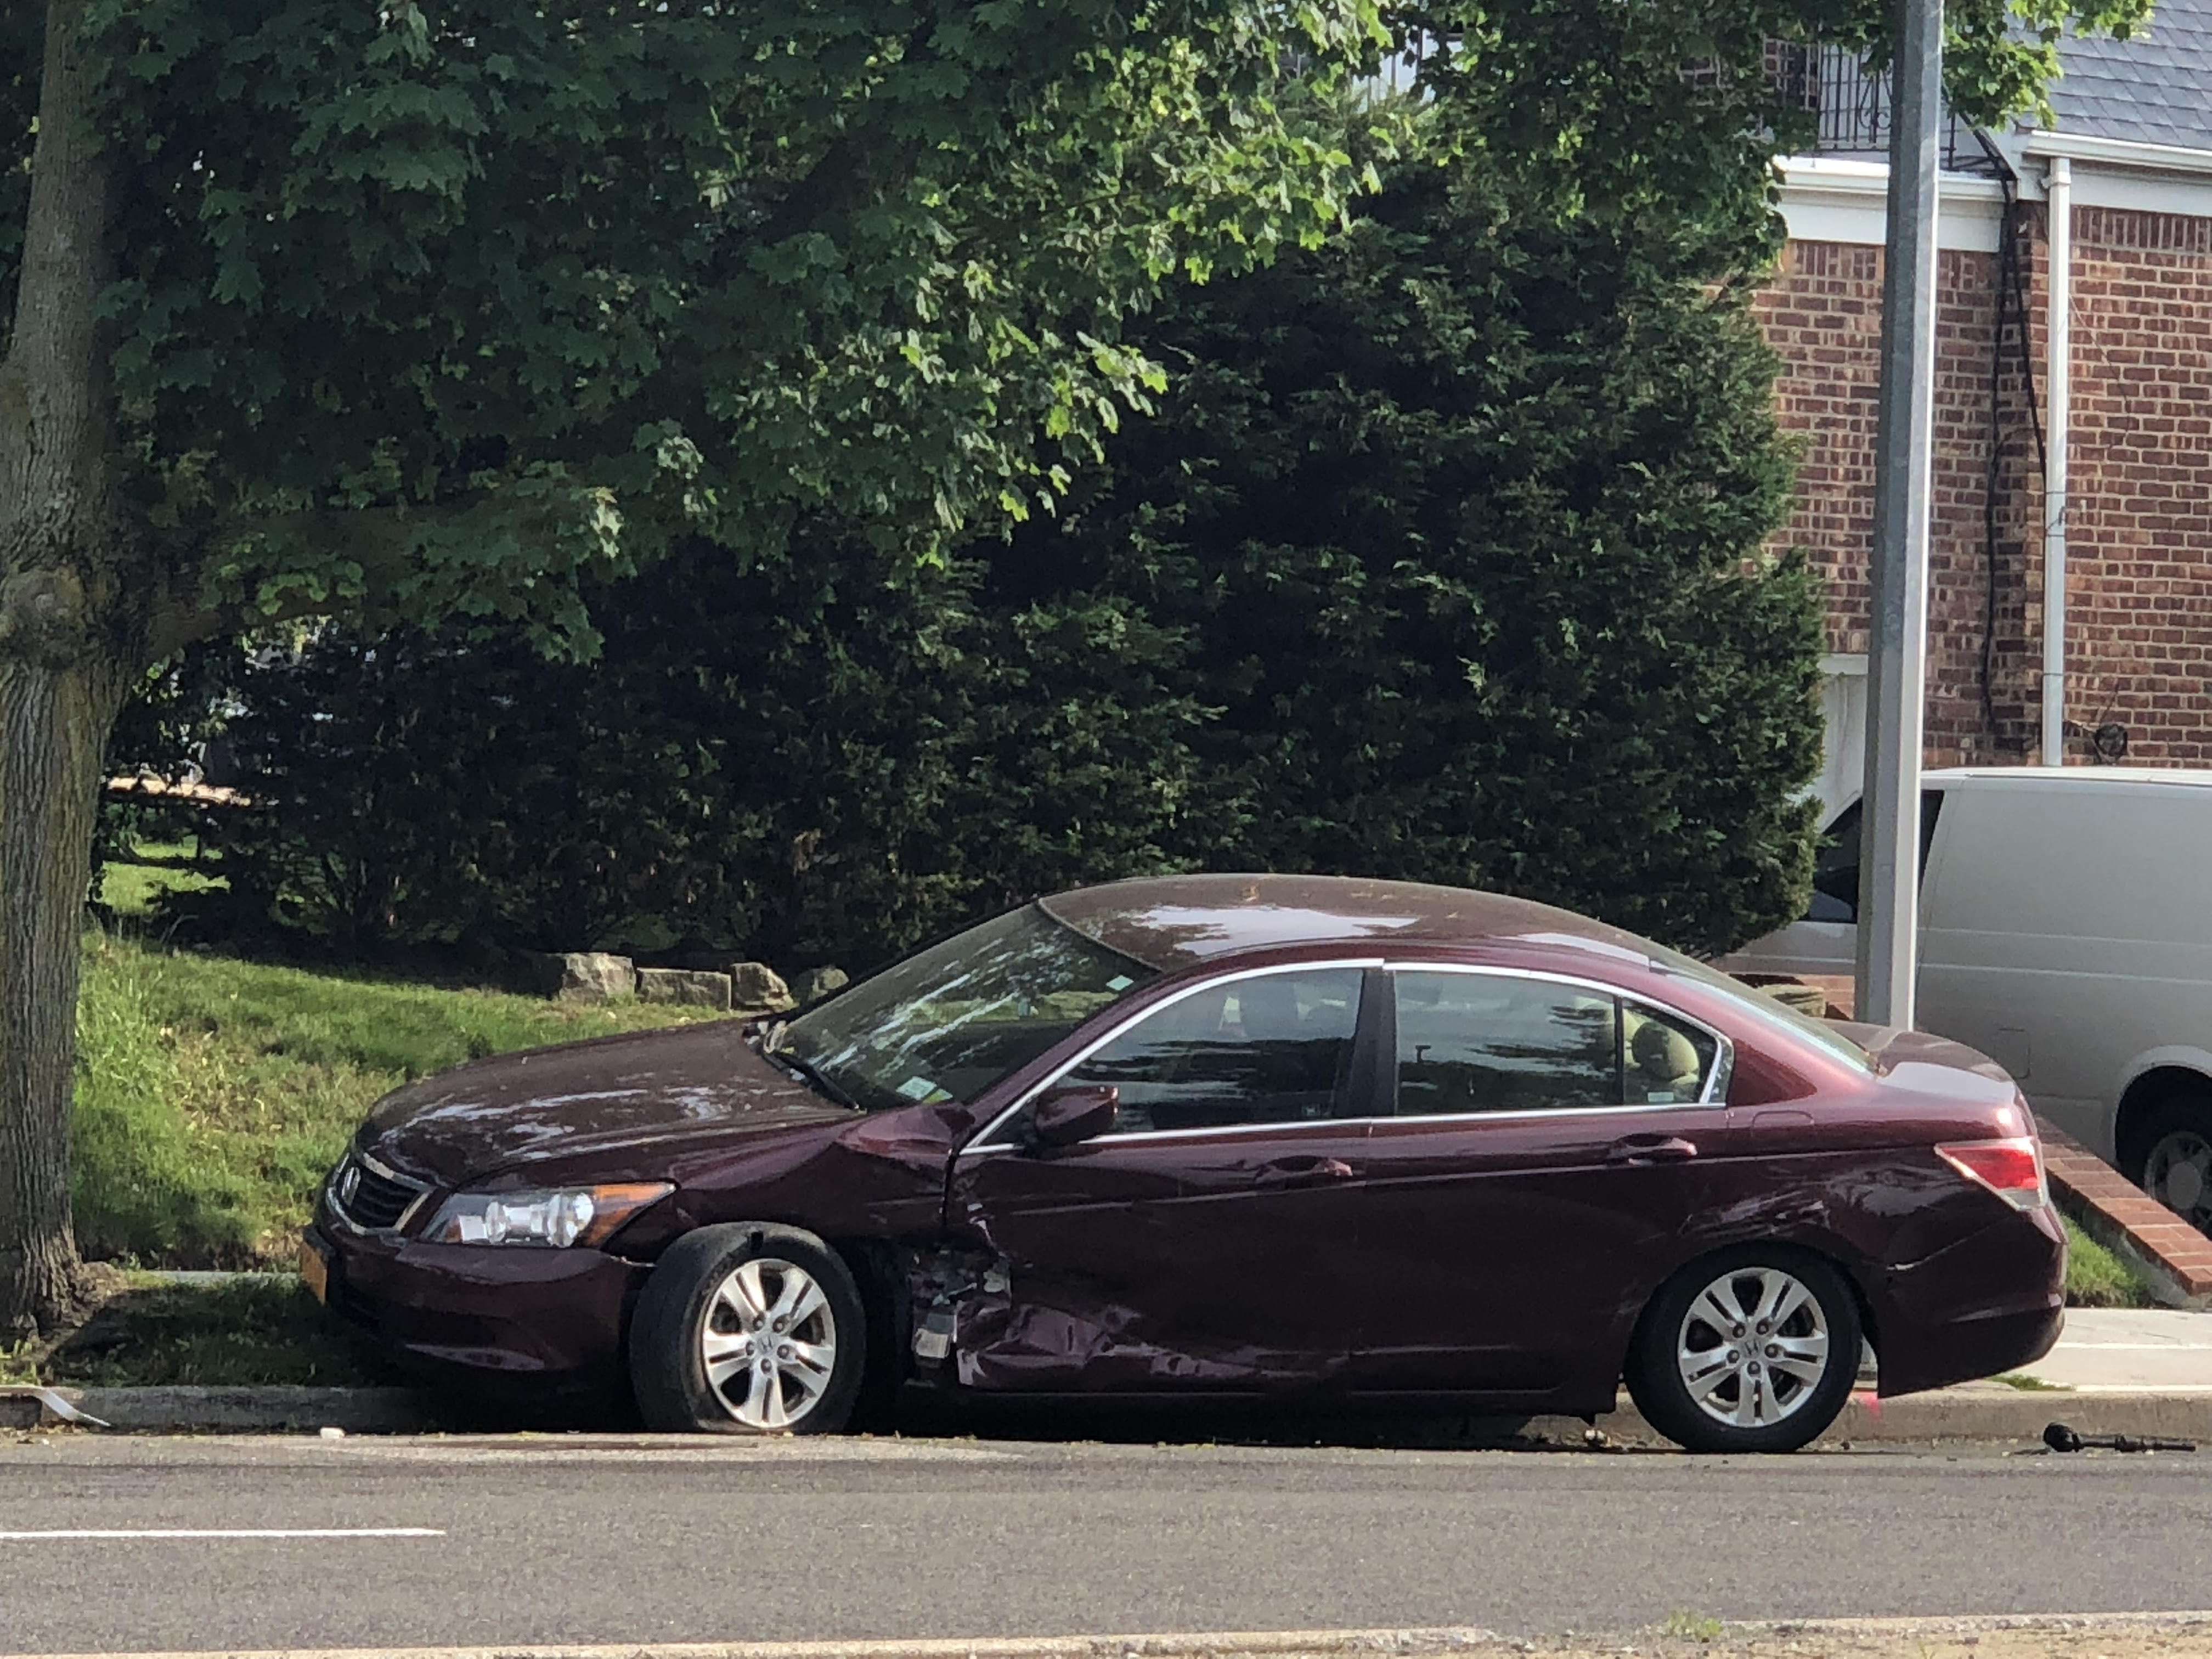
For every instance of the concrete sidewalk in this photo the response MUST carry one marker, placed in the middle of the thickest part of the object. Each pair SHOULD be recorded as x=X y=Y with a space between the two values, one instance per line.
x=2130 y=1351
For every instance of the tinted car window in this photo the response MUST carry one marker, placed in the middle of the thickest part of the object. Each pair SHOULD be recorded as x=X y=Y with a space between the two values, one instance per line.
x=1481 y=1043
x=1836 y=865
x=1273 y=1048
x=1664 y=1060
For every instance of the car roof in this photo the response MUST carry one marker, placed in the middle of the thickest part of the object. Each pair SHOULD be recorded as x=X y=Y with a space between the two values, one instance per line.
x=1170 y=922
x=2066 y=776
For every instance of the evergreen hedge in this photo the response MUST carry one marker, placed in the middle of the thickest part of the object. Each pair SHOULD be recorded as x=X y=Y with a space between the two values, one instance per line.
x=1442 y=558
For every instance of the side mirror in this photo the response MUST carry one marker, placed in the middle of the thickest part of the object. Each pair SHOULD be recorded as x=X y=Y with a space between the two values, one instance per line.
x=1067 y=1115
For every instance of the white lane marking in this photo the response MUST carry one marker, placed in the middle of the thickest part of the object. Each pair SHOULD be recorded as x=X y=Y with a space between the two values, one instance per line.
x=226 y=1532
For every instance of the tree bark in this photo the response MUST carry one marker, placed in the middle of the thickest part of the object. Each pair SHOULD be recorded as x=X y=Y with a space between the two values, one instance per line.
x=74 y=611
x=56 y=706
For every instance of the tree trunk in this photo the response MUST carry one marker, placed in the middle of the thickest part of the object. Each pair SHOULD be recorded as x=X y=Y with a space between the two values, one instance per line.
x=74 y=625
x=55 y=711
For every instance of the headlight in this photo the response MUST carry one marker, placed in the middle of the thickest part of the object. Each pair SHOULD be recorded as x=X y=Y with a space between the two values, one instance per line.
x=560 y=1217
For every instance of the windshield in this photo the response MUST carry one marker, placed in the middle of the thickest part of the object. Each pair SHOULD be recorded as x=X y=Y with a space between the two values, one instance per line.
x=949 y=1022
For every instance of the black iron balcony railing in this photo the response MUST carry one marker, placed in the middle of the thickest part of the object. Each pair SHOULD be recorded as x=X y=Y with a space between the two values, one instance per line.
x=1850 y=104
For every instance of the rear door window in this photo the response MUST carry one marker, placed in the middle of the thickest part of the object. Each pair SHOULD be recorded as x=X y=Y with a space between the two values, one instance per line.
x=1473 y=1042
x=1487 y=1042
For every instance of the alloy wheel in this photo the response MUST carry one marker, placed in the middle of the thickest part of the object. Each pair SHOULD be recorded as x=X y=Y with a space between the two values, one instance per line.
x=1752 y=1347
x=768 y=1343
x=2178 y=1175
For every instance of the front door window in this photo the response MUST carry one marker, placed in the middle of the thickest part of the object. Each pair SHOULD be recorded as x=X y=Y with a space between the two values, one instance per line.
x=1268 y=1048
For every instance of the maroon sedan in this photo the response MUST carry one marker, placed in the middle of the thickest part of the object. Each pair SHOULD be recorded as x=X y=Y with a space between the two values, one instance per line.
x=1286 y=1137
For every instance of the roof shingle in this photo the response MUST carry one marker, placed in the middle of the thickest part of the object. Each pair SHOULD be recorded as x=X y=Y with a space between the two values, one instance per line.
x=2155 y=88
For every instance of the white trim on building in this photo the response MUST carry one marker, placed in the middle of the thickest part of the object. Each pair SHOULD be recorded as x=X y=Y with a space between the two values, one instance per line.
x=1842 y=753
x=1828 y=199
x=1831 y=199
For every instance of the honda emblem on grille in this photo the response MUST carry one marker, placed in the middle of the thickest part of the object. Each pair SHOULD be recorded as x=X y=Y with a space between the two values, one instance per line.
x=348 y=1184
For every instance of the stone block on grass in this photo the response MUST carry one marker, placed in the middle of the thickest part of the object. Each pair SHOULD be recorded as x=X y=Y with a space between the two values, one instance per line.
x=593 y=976
x=757 y=988
x=689 y=988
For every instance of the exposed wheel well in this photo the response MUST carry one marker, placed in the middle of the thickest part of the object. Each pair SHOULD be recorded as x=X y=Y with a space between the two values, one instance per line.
x=877 y=1269
x=2160 y=1086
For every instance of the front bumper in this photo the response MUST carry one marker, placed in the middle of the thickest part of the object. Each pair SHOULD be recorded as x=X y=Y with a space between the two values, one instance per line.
x=1990 y=1303
x=508 y=1322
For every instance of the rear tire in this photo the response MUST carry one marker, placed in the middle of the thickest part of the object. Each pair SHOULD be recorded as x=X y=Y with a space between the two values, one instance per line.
x=2173 y=1161
x=749 y=1329
x=1753 y=1349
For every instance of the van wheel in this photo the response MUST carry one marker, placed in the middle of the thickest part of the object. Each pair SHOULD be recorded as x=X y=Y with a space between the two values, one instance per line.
x=1751 y=1350
x=2176 y=1165
x=748 y=1328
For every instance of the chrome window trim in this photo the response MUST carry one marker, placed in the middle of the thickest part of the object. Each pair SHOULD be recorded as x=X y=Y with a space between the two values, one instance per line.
x=1723 y=1056
x=983 y=1143
x=422 y=1191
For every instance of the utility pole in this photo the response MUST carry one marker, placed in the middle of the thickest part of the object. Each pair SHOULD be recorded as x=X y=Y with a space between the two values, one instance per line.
x=1897 y=664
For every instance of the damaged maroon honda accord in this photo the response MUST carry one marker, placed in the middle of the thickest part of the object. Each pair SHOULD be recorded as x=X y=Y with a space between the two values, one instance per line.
x=1246 y=1137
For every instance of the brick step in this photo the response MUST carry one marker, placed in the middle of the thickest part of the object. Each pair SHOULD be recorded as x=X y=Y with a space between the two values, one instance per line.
x=2172 y=1255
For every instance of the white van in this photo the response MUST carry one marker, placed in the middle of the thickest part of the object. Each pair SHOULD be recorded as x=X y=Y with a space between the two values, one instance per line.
x=2066 y=931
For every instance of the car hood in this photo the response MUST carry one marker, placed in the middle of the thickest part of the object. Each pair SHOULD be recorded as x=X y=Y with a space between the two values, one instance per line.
x=648 y=1093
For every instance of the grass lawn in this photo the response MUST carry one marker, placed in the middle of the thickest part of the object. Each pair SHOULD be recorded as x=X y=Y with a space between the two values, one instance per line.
x=2095 y=1278
x=213 y=1094
x=129 y=887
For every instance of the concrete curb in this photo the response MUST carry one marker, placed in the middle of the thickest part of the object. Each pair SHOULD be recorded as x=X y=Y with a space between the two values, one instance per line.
x=1976 y=1414
x=180 y=1410
x=1985 y=1414
x=1248 y=1644
x=1940 y=1624
x=1258 y=1645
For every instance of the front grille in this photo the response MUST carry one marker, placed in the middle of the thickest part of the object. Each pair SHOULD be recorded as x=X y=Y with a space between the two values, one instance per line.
x=368 y=1196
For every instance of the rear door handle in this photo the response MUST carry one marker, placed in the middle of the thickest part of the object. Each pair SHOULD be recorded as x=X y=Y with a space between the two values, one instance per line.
x=1651 y=1149
x=1303 y=1171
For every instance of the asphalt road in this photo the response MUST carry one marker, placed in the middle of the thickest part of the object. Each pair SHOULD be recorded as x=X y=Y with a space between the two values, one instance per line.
x=615 y=1539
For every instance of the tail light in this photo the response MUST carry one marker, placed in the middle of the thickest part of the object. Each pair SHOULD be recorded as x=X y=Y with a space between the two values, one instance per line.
x=2011 y=1168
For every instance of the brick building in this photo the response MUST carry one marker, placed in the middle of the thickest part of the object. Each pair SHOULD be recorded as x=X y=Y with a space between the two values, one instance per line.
x=2131 y=145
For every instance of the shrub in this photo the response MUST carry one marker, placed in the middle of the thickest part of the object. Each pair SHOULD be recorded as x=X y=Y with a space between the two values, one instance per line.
x=1463 y=529
x=1443 y=559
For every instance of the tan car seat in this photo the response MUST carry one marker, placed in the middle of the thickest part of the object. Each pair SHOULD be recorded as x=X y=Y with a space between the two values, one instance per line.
x=1663 y=1063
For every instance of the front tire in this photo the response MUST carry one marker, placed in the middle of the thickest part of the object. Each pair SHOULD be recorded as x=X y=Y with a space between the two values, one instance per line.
x=1752 y=1350
x=749 y=1329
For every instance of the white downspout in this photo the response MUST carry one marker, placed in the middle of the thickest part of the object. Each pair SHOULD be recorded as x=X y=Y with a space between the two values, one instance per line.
x=2059 y=190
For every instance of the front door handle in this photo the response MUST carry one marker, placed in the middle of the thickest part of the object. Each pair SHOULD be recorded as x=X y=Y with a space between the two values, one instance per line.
x=1303 y=1171
x=1651 y=1149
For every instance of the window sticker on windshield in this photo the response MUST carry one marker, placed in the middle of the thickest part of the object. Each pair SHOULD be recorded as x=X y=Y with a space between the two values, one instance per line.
x=919 y=1088
x=1120 y=982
